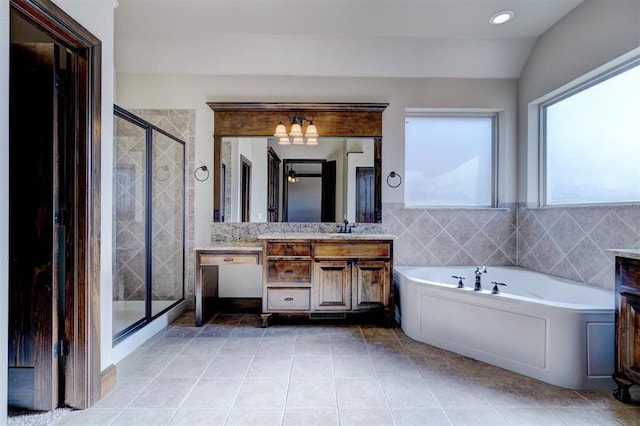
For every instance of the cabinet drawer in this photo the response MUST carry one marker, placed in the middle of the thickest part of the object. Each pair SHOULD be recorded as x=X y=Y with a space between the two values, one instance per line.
x=352 y=250
x=288 y=249
x=289 y=271
x=229 y=259
x=288 y=299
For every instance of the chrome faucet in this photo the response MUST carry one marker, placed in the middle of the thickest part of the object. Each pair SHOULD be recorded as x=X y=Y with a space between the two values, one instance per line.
x=479 y=271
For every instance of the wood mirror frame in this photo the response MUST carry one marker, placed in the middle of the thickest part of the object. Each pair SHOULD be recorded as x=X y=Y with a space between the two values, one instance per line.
x=259 y=119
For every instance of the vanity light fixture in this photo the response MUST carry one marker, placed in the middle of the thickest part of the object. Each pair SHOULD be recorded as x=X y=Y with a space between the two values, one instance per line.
x=502 y=17
x=292 y=176
x=311 y=134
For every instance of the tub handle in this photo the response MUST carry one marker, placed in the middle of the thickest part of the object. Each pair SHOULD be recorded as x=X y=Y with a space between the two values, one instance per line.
x=460 y=283
x=495 y=287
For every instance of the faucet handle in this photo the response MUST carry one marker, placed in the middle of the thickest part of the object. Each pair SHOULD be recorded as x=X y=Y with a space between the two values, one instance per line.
x=460 y=283
x=495 y=287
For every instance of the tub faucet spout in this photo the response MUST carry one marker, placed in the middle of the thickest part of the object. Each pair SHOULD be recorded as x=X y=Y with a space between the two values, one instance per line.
x=479 y=271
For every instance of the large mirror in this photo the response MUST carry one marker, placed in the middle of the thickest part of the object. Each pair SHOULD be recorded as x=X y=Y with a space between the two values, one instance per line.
x=258 y=179
x=265 y=181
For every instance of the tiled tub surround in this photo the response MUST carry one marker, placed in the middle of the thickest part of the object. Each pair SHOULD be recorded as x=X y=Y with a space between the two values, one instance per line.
x=181 y=124
x=450 y=236
x=572 y=242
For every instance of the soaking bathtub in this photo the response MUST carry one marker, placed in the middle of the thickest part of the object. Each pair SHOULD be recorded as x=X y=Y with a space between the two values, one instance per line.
x=555 y=330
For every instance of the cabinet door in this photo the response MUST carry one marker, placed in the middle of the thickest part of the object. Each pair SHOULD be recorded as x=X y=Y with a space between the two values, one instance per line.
x=371 y=284
x=628 y=335
x=332 y=286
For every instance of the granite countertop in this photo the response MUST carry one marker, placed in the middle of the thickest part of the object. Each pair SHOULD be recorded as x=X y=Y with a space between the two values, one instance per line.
x=233 y=245
x=630 y=253
x=324 y=236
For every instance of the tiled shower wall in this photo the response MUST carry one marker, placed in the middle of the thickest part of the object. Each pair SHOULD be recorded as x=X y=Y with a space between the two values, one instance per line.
x=572 y=242
x=181 y=124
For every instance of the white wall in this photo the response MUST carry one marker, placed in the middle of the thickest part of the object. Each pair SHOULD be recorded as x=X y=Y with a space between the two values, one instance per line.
x=4 y=203
x=193 y=91
x=593 y=34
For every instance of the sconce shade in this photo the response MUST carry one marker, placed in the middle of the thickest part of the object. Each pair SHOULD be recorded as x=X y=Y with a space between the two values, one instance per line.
x=281 y=131
x=298 y=140
x=312 y=132
x=296 y=131
x=284 y=141
x=312 y=141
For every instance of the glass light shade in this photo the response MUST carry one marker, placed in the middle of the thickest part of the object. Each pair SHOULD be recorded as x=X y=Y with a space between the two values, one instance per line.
x=298 y=140
x=284 y=141
x=281 y=131
x=311 y=131
x=296 y=131
x=312 y=141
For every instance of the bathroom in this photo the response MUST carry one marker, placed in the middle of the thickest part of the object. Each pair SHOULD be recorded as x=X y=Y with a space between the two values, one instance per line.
x=569 y=242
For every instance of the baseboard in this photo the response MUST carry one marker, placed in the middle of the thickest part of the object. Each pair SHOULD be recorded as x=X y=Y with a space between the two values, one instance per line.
x=107 y=380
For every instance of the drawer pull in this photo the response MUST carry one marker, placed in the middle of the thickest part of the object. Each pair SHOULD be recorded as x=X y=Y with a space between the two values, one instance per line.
x=228 y=259
x=289 y=271
x=288 y=299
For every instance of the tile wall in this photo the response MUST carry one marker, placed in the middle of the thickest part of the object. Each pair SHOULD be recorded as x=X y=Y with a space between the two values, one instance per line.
x=569 y=242
x=572 y=242
x=452 y=236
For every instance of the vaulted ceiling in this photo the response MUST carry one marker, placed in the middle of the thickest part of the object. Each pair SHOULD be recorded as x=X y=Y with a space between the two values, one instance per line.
x=391 y=38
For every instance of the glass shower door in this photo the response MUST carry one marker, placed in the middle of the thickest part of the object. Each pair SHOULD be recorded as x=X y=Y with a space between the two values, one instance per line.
x=129 y=219
x=167 y=248
x=149 y=221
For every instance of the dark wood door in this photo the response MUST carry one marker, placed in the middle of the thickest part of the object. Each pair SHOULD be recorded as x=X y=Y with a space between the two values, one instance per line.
x=245 y=185
x=273 y=186
x=34 y=269
x=328 y=203
x=365 y=188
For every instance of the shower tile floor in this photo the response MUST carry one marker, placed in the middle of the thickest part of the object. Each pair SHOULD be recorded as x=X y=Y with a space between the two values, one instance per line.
x=231 y=372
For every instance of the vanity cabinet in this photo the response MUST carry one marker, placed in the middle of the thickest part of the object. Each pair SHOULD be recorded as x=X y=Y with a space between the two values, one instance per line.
x=331 y=274
x=627 y=281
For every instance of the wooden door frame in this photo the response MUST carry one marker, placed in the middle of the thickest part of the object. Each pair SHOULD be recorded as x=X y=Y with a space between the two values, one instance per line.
x=83 y=328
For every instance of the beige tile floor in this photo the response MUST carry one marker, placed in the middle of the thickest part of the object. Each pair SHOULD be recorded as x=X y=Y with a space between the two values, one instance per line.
x=231 y=372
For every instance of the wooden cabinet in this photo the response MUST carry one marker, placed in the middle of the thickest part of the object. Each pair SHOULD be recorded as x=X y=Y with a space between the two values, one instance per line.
x=627 y=326
x=333 y=275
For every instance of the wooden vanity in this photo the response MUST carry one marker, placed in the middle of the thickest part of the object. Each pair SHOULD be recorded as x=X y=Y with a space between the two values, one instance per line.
x=627 y=276
x=327 y=275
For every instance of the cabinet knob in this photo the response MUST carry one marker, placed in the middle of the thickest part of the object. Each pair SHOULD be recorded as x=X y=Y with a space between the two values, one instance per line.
x=288 y=299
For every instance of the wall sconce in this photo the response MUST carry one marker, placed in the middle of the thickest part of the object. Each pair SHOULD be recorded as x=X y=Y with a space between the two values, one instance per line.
x=311 y=134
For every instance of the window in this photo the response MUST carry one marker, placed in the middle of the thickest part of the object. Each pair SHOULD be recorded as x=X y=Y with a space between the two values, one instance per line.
x=449 y=160
x=591 y=142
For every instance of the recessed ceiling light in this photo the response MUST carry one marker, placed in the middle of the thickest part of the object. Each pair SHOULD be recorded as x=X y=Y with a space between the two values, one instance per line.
x=501 y=17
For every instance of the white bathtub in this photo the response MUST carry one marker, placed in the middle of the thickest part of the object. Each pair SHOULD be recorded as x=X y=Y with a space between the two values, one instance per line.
x=555 y=330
